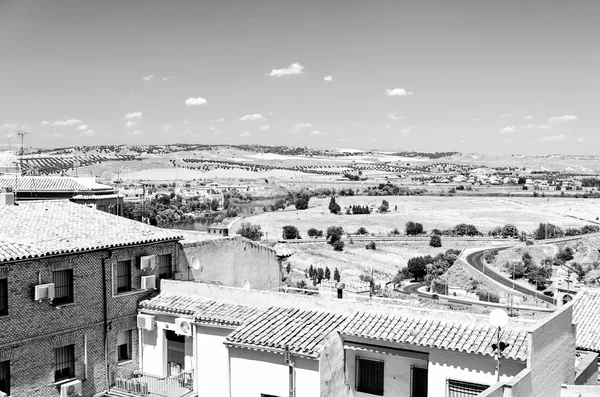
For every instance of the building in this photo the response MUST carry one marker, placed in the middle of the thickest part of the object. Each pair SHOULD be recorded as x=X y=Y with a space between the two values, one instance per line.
x=221 y=230
x=111 y=203
x=223 y=341
x=9 y=164
x=70 y=281
x=53 y=187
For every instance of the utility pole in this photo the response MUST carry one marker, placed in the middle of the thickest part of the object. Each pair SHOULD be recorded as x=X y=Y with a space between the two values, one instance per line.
x=22 y=135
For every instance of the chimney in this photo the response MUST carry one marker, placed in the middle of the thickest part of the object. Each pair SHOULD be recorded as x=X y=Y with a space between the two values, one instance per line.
x=340 y=290
x=7 y=197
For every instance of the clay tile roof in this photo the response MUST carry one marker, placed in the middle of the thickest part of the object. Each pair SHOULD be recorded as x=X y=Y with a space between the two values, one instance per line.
x=303 y=331
x=8 y=160
x=468 y=338
x=52 y=184
x=202 y=309
x=39 y=228
x=97 y=196
x=586 y=314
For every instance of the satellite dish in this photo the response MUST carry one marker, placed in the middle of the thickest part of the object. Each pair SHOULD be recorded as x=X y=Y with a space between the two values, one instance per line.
x=195 y=263
x=246 y=284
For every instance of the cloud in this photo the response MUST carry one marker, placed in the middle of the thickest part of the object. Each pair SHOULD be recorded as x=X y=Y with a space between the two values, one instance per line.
x=298 y=127
x=150 y=77
x=11 y=125
x=328 y=79
x=221 y=120
x=264 y=127
x=245 y=134
x=517 y=128
x=195 y=101
x=397 y=92
x=88 y=132
x=394 y=116
x=168 y=78
x=294 y=68
x=506 y=130
x=581 y=139
x=554 y=138
x=212 y=128
x=82 y=127
x=130 y=124
x=530 y=117
x=315 y=132
x=252 y=117
x=134 y=115
x=475 y=120
x=137 y=133
x=406 y=131
x=63 y=123
x=387 y=126
x=166 y=128
x=561 y=119
x=510 y=114
x=544 y=126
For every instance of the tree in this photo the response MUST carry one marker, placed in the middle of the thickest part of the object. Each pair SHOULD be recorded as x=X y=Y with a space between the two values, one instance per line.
x=509 y=231
x=301 y=203
x=565 y=254
x=320 y=274
x=327 y=273
x=490 y=255
x=279 y=204
x=371 y=245
x=547 y=229
x=336 y=275
x=312 y=232
x=290 y=233
x=418 y=266
x=338 y=245
x=334 y=233
x=464 y=229
x=522 y=180
x=334 y=208
x=435 y=241
x=311 y=271
x=250 y=231
x=403 y=274
x=413 y=228
x=362 y=231
x=384 y=206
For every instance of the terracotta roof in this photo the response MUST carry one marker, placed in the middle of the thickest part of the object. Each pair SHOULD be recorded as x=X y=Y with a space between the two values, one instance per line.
x=52 y=184
x=447 y=335
x=202 y=309
x=96 y=196
x=8 y=160
x=586 y=314
x=303 y=331
x=38 y=228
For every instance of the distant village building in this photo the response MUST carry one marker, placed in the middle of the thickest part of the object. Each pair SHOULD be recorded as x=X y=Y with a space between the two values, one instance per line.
x=9 y=164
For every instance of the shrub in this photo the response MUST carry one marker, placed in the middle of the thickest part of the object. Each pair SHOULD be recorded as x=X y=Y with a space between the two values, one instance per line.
x=384 y=206
x=334 y=233
x=435 y=241
x=301 y=203
x=490 y=255
x=395 y=232
x=413 y=228
x=312 y=232
x=418 y=266
x=362 y=231
x=371 y=245
x=290 y=233
x=334 y=208
x=336 y=274
x=250 y=231
x=487 y=296
x=338 y=245
x=529 y=242
x=279 y=204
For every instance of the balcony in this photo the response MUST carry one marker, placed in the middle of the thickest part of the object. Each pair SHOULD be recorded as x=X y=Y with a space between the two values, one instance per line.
x=134 y=384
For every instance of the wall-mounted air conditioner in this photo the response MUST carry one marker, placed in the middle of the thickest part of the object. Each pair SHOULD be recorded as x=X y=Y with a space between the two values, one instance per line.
x=148 y=262
x=43 y=292
x=146 y=321
x=183 y=326
x=70 y=389
x=148 y=282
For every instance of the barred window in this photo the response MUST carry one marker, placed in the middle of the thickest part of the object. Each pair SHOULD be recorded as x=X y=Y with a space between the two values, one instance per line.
x=457 y=388
x=124 y=345
x=4 y=297
x=123 y=276
x=64 y=359
x=164 y=266
x=5 y=377
x=369 y=376
x=63 y=286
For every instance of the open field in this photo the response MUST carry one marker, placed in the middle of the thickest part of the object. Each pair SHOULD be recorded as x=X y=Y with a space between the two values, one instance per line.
x=435 y=212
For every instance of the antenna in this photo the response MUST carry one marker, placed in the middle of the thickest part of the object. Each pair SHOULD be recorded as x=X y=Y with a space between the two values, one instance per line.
x=9 y=145
x=22 y=134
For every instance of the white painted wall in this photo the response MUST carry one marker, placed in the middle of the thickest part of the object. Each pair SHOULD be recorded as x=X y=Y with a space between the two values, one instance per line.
x=256 y=372
x=212 y=361
x=153 y=347
x=396 y=381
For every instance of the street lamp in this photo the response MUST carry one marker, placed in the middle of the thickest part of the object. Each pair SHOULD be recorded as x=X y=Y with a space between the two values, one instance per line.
x=498 y=319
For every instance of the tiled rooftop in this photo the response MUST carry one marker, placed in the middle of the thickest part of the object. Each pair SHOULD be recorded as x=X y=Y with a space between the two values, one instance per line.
x=459 y=336
x=203 y=310
x=8 y=160
x=303 y=331
x=586 y=314
x=97 y=196
x=52 y=184
x=39 y=228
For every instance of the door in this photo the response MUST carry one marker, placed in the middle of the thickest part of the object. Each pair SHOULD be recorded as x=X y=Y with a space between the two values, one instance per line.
x=418 y=382
x=175 y=353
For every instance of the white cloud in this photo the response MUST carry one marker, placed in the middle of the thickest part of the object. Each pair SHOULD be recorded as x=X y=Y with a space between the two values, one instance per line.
x=221 y=120
x=166 y=128
x=298 y=127
x=264 y=127
x=137 y=133
x=168 y=78
x=63 y=123
x=553 y=138
x=150 y=77
x=517 y=128
x=562 y=119
x=252 y=117
x=544 y=126
x=387 y=126
x=9 y=126
x=82 y=127
x=530 y=117
x=212 y=128
x=134 y=115
x=130 y=124
x=328 y=79
x=581 y=139
x=294 y=68
x=394 y=116
x=315 y=132
x=195 y=101
x=245 y=134
x=89 y=132
x=475 y=120
x=506 y=130
x=397 y=92
x=406 y=131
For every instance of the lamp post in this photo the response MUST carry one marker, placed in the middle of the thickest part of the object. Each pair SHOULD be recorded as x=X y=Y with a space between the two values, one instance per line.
x=498 y=319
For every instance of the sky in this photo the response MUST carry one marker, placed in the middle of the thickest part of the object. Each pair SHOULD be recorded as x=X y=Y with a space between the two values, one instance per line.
x=486 y=76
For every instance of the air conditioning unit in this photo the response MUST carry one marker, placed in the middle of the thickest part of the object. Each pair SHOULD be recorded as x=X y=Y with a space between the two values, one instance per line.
x=43 y=292
x=71 y=389
x=146 y=321
x=183 y=326
x=2 y=394
x=148 y=282
x=148 y=262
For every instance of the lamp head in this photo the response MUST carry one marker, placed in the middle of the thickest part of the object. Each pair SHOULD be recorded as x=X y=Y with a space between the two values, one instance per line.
x=498 y=318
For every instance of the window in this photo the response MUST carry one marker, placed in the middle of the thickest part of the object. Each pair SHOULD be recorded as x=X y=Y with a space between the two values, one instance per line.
x=124 y=345
x=63 y=286
x=457 y=388
x=5 y=377
x=4 y=297
x=369 y=376
x=419 y=382
x=64 y=359
x=164 y=266
x=123 y=276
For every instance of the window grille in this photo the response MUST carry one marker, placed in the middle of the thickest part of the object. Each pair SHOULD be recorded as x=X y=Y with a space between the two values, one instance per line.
x=63 y=286
x=5 y=377
x=457 y=388
x=369 y=376
x=4 y=297
x=124 y=345
x=123 y=276
x=64 y=359
x=164 y=266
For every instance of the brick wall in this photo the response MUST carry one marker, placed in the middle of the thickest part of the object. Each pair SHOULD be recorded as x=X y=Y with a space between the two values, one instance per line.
x=32 y=330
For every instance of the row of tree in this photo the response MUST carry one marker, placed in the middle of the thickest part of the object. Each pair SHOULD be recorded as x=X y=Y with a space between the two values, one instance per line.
x=317 y=274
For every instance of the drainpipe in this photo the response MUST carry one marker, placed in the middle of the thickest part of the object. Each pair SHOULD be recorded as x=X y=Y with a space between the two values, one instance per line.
x=105 y=319
x=194 y=356
x=292 y=381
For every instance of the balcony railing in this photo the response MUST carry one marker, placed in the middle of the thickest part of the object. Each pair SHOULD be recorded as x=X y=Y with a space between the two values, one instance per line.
x=142 y=384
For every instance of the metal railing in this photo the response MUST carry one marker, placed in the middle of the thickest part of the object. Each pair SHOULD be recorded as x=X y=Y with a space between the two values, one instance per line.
x=136 y=383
